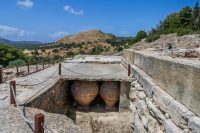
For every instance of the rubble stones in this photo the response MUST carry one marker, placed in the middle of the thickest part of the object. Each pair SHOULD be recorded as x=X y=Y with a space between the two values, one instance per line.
x=170 y=127
x=132 y=96
x=159 y=112
x=142 y=95
x=194 y=124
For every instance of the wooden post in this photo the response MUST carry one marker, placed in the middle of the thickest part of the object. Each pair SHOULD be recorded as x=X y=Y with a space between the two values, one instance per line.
x=1 y=75
x=12 y=88
x=129 y=70
x=59 y=69
x=39 y=123
x=28 y=68
x=17 y=71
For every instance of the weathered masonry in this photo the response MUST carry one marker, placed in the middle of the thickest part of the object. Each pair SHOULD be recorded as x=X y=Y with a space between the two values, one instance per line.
x=90 y=93
x=91 y=85
x=167 y=92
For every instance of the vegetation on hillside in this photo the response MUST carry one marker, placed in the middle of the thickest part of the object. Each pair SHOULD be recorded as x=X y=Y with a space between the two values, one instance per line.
x=184 y=22
x=96 y=42
x=10 y=55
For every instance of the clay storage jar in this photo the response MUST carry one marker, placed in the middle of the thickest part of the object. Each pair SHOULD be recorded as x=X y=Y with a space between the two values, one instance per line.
x=84 y=92
x=109 y=92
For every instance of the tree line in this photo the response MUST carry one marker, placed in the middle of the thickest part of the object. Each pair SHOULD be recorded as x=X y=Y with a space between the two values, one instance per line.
x=186 y=21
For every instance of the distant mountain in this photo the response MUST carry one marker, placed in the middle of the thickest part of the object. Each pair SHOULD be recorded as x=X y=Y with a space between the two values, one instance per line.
x=20 y=44
x=92 y=36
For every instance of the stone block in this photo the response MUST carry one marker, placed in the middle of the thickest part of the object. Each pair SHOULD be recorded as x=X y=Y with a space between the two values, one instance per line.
x=132 y=96
x=154 y=111
x=177 y=111
x=179 y=78
x=124 y=103
x=138 y=126
x=194 y=124
x=141 y=107
x=170 y=127
x=141 y=95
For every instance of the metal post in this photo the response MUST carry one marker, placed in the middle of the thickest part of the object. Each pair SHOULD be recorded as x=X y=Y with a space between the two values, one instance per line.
x=129 y=70
x=43 y=64
x=39 y=123
x=28 y=68
x=49 y=63
x=17 y=71
x=1 y=75
x=36 y=67
x=12 y=88
x=59 y=69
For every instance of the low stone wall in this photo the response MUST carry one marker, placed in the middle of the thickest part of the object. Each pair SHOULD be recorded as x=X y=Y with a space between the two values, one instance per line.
x=179 y=78
x=155 y=111
x=55 y=100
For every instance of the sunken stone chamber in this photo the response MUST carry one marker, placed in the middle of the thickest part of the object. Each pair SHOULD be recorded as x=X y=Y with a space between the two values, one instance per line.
x=98 y=96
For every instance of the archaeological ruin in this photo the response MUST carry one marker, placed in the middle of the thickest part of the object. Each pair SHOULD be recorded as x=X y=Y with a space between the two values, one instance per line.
x=139 y=91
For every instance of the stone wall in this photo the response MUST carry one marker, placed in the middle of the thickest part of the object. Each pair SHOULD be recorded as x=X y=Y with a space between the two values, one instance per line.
x=180 y=79
x=55 y=100
x=154 y=109
x=124 y=102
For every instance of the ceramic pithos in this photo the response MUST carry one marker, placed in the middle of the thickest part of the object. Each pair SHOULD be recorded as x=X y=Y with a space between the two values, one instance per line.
x=109 y=92
x=84 y=92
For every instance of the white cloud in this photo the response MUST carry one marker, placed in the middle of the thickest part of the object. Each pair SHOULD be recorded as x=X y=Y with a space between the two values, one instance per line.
x=6 y=31
x=71 y=10
x=25 y=3
x=58 y=34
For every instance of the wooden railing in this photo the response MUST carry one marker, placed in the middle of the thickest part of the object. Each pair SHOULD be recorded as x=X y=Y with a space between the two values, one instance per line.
x=24 y=70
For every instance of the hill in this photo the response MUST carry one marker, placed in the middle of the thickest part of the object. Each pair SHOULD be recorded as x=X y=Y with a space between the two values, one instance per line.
x=92 y=36
x=20 y=44
x=89 y=42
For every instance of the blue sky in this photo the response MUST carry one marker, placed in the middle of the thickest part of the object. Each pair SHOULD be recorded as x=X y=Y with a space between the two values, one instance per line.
x=48 y=20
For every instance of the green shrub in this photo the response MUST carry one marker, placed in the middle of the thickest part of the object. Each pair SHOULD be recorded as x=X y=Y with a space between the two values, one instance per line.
x=140 y=35
x=97 y=50
x=119 y=48
x=182 y=32
x=127 y=46
x=8 y=54
x=107 y=49
x=16 y=62
x=152 y=37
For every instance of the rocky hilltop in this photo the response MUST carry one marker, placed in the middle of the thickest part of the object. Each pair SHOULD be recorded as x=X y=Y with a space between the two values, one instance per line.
x=186 y=42
x=89 y=42
x=92 y=36
x=182 y=46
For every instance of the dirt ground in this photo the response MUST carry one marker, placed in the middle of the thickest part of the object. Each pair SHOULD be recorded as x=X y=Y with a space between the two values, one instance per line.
x=109 y=122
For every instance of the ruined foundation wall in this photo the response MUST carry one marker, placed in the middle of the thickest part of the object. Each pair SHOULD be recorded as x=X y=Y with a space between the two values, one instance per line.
x=179 y=79
x=54 y=100
x=155 y=110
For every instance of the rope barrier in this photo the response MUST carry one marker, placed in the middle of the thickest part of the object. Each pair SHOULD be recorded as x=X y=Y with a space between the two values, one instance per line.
x=90 y=75
x=36 y=94
x=26 y=85
x=29 y=125
x=17 y=107
x=46 y=128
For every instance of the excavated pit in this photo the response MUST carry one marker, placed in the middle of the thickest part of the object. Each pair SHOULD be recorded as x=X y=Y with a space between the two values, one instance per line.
x=94 y=118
